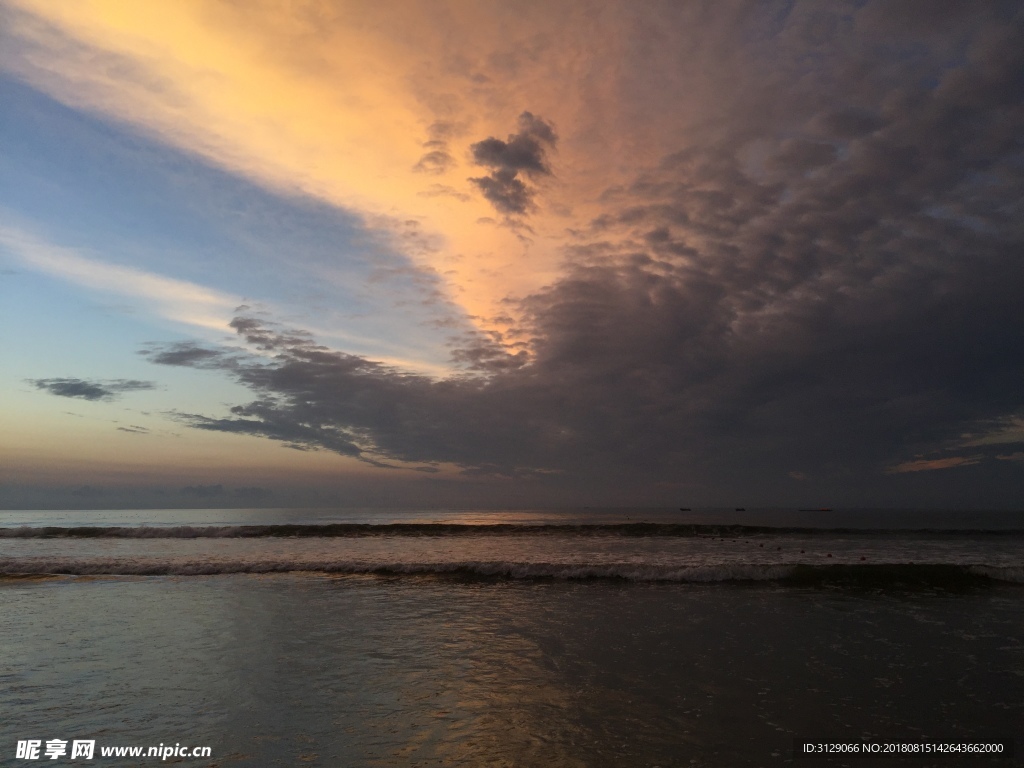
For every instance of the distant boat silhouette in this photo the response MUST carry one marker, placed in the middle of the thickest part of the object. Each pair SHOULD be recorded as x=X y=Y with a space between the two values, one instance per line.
x=684 y=509
x=741 y=509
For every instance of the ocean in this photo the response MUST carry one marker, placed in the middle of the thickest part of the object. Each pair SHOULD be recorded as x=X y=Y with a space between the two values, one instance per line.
x=512 y=638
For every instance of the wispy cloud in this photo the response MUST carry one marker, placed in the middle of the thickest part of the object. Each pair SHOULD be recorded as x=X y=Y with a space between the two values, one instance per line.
x=134 y=429
x=1004 y=431
x=167 y=297
x=929 y=465
x=181 y=301
x=437 y=159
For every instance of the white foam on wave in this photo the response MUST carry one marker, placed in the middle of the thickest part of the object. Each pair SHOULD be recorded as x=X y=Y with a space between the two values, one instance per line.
x=636 y=572
x=128 y=532
x=1012 y=574
x=505 y=569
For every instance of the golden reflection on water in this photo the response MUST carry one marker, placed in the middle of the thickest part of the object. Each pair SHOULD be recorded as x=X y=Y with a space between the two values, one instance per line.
x=400 y=671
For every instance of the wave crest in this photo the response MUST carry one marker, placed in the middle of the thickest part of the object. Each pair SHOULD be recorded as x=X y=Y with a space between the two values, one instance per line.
x=867 y=576
x=465 y=529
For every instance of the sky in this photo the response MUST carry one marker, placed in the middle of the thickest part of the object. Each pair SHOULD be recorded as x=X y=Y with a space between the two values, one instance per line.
x=508 y=254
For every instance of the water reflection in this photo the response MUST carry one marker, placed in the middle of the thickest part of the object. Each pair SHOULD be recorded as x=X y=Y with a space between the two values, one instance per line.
x=352 y=671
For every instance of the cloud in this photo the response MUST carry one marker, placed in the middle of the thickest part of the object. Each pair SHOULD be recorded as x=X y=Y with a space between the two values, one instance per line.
x=437 y=159
x=268 y=422
x=442 y=190
x=94 y=390
x=1000 y=431
x=185 y=353
x=311 y=397
x=797 y=244
x=170 y=298
x=337 y=114
x=134 y=429
x=1015 y=456
x=523 y=153
x=800 y=154
x=928 y=465
x=847 y=122
x=826 y=275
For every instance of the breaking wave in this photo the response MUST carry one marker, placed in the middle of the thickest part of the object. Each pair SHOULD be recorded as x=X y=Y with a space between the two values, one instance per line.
x=459 y=529
x=874 y=575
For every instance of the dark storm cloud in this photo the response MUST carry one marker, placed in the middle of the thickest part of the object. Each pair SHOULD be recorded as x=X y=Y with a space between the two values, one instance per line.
x=86 y=389
x=523 y=154
x=312 y=397
x=820 y=291
x=867 y=308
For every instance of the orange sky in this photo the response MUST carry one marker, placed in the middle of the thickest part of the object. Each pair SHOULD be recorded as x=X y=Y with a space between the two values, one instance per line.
x=289 y=97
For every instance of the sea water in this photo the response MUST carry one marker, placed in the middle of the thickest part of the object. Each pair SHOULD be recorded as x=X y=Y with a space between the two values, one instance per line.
x=577 y=638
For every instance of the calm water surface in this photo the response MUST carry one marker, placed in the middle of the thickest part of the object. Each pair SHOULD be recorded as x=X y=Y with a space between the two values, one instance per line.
x=359 y=670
